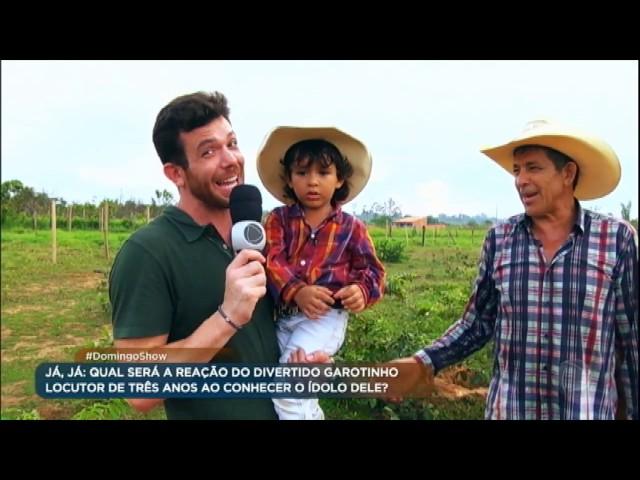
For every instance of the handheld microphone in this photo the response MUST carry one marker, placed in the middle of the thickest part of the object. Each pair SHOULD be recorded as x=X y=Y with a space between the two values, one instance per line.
x=245 y=203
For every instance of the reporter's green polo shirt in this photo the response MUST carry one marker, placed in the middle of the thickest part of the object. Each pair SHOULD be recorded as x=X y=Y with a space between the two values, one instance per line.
x=168 y=278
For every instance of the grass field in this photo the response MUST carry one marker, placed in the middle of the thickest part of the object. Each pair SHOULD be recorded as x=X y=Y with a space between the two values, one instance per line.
x=50 y=311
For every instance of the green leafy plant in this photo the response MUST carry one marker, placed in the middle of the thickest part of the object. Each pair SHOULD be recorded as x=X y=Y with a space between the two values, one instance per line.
x=389 y=250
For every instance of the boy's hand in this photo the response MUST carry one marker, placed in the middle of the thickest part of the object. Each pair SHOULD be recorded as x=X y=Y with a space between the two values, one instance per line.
x=314 y=300
x=352 y=298
x=299 y=356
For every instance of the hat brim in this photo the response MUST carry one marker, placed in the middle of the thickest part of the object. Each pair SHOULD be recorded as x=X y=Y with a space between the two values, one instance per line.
x=599 y=165
x=278 y=141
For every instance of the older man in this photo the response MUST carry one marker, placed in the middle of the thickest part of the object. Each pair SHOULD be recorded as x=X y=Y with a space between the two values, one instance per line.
x=556 y=290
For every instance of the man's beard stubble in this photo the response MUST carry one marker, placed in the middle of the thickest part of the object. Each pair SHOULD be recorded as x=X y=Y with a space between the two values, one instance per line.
x=202 y=191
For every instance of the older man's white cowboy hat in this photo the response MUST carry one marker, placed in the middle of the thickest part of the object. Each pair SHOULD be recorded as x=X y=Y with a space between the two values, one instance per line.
x=278 y=141
x=598 y=163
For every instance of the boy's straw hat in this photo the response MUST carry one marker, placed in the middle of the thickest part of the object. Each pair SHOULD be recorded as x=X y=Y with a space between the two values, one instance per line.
x=278 y=141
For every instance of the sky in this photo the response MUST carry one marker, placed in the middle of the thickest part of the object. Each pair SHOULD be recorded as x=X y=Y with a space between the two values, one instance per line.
x=81 y=130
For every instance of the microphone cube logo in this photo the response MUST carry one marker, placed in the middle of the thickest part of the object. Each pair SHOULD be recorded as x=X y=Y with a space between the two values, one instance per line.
x=254 y=234
x=248 y=234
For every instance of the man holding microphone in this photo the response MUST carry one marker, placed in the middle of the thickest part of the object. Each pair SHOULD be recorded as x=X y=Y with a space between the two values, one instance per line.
x=176 y=282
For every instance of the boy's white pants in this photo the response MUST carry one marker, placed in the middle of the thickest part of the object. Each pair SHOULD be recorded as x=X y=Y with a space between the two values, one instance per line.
x=297 y=331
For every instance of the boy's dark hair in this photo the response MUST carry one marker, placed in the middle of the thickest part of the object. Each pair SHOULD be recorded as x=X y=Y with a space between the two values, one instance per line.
x=559 y=159
x=307 y=152
x=183 y=114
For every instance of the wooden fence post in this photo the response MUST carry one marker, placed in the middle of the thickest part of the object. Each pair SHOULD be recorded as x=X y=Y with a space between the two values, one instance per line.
x=53 y=231
x=105 y=223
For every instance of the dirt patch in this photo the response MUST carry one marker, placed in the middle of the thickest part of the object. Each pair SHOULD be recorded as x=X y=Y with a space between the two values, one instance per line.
x=77 y=341
x=49 y=349
x=5 y=332
x=451 y=391
x=22 y=309
x=75 y=281
x=12 y=394
x=455 y=383
x=25 y=340
x=39 y=288
x=85 y=280
x=459 y=375
x=53 y=352
x=54 y=411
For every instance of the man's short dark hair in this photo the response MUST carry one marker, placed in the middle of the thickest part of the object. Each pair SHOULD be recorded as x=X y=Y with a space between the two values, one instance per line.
x=307 y=152
x=559 y=159
x=183 y=114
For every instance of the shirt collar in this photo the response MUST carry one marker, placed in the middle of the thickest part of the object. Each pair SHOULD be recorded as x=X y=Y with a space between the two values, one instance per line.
x=296 y=210
x=189 y=229
x=581 y=215
x=525 y=221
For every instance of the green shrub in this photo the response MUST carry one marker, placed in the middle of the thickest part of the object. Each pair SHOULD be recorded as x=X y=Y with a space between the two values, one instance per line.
x=390 y=250
x=397 y=284
x=108 y=410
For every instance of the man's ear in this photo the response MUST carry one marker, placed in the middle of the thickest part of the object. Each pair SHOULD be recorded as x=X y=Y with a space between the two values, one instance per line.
x=175 y=173
x=570 y=172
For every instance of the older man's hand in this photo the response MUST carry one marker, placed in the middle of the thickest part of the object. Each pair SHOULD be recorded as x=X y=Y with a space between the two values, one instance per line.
x=415 y=380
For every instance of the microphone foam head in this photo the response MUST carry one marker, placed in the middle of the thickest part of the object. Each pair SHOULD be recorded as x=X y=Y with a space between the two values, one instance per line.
x=245 y=203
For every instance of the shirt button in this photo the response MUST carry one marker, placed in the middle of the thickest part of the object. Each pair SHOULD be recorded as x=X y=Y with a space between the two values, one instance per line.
x=313 y=235
x=303 y=263
x=224 y=245
x=544 y=367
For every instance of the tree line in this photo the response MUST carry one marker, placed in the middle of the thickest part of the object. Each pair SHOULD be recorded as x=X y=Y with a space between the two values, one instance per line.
x=23 y=207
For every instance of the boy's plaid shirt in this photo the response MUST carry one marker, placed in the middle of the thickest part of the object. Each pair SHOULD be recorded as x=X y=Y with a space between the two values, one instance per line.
x=337 y=253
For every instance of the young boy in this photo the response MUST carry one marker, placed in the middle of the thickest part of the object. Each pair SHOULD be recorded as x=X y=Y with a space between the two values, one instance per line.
x=321 y=262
